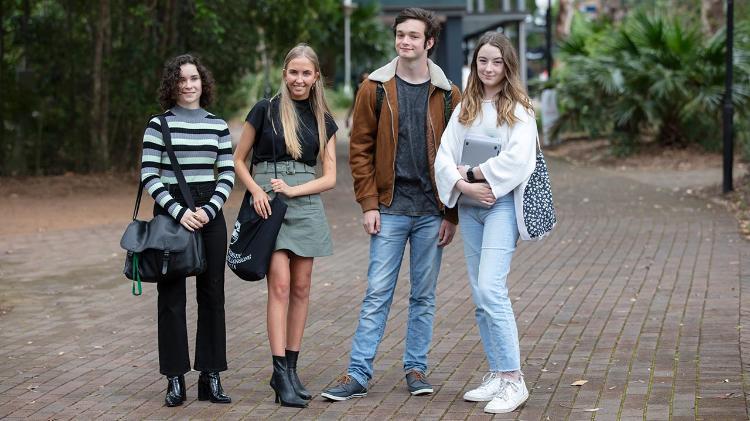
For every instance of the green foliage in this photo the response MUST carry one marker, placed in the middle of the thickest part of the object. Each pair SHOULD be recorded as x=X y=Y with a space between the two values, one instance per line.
x=652 y=78
x=339 y=101
x=47 y=67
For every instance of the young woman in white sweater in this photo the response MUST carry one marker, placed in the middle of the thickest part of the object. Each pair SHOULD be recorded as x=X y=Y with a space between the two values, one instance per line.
x=495 y=105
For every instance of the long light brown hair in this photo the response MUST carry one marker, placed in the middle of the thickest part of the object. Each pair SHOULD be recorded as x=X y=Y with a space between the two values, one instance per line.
x=512 y=91
x=289 y=117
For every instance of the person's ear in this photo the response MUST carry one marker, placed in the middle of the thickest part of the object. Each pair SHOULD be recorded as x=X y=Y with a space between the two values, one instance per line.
x=430 y=42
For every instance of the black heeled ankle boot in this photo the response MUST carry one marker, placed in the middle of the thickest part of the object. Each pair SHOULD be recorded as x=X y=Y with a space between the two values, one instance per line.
x=175 y=390
x=281 y=383
x=209 y=388
x=291 y=365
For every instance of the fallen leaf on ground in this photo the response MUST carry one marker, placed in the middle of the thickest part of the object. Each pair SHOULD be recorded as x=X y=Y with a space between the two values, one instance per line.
x=573 y=408
x=579 y=382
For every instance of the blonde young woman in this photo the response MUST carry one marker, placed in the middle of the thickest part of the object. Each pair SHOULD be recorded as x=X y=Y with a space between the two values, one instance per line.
x=298 y=125
x=494 y=104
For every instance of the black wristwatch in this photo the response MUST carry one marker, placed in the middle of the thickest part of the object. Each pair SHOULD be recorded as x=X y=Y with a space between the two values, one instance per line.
x=470 y=175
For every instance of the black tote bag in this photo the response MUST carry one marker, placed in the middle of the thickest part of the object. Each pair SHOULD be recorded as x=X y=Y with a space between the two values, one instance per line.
x=254 y=238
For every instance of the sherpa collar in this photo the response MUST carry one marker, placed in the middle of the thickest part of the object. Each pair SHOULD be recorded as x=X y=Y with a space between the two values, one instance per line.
x=388 y=72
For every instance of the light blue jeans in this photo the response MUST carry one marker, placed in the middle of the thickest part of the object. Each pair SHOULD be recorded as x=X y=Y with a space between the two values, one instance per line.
x=490 y=237
x=386 y=253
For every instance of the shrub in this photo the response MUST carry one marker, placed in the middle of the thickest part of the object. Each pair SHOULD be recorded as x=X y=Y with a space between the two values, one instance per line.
x=652 y=78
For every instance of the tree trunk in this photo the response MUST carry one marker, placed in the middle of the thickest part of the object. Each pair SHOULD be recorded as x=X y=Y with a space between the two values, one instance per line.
x=712 y=15
x=100 y=92
x=2 y=82
x=16 y=162
x=564 y=18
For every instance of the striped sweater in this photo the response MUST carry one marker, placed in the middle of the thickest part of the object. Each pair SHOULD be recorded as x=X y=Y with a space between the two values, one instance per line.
x=201 y=141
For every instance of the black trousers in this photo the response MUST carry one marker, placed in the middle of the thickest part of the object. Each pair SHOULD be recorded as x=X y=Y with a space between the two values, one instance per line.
x=210 y=338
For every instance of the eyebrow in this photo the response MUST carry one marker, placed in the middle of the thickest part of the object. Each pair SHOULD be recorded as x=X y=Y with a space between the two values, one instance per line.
x=409 y=32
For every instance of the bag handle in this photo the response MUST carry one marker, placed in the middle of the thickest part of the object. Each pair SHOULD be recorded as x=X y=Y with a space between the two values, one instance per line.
x=273 y=139
x=167 y=138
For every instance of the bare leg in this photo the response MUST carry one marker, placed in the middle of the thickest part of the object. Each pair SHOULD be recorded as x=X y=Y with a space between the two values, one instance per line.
x=278 y=301
x=299 y=299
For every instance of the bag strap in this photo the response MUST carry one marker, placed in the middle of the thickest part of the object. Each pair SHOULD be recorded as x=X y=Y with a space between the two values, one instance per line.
x=167 y=137
x=447 y=95
x=538 y=145
x=273 y=139
x=379 y=93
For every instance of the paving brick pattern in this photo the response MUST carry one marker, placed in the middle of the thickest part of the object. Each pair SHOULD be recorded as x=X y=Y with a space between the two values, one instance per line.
x=641 y=291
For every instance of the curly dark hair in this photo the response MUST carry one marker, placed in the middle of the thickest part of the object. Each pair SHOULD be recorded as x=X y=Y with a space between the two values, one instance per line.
x=431 y=24
x=170 y=79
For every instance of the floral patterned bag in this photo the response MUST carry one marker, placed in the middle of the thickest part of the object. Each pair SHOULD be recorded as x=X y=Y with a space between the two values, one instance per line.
x=537 y=208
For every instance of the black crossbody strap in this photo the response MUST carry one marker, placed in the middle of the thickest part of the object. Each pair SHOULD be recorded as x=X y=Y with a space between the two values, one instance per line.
x=167 y=137
x=138 y=197
x=140 y=187
x=273 y=138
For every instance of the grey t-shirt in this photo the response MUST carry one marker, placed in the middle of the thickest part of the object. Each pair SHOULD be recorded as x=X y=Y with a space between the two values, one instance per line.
x=412 y=194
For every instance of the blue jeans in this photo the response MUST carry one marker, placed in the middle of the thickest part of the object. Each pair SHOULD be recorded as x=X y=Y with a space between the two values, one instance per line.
x=490 y=237
x=386 y=253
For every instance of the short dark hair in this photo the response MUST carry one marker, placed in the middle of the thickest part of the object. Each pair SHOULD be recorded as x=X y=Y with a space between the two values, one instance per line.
x=431 y=24
x=170 y=80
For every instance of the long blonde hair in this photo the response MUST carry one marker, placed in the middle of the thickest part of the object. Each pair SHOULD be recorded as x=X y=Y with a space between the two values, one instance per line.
x=511 y=91
x=289 y=117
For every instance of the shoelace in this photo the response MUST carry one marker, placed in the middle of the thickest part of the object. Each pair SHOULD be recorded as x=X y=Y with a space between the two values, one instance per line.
x=344 y=379
x=418 y=375
x=488 y=377
x=503 y=393
x=487 y=380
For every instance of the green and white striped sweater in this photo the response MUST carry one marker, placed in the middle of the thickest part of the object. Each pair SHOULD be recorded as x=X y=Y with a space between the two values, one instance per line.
x=201 y=143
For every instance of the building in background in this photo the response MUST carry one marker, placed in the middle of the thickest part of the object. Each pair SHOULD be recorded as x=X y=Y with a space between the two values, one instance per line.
x=464 y=21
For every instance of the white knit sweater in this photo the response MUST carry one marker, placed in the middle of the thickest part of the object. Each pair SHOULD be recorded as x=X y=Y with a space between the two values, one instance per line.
x=506 y=172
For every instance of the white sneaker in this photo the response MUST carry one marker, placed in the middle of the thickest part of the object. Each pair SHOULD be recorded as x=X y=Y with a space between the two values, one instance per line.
x=513 y=395
x=491 y=385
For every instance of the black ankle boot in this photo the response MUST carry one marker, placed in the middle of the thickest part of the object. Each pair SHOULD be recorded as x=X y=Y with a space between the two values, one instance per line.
x=175 y=390
x=281 y=383
x=209 y=388
x=291 y=365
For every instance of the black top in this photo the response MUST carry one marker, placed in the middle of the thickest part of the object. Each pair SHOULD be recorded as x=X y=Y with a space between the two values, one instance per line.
x=412 y=193
x=265 y=137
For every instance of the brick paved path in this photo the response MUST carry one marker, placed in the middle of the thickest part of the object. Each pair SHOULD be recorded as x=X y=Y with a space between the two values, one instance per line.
x=643 y=292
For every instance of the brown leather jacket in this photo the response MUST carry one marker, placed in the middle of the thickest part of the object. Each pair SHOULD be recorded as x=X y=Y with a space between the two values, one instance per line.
x=372 y=143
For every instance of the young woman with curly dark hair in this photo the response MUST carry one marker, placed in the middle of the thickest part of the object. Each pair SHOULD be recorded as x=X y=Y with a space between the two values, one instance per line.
x=201 y=142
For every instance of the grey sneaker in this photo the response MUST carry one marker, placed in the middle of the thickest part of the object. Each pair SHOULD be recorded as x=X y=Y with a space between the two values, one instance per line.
x=417 y=383
x=346 y=388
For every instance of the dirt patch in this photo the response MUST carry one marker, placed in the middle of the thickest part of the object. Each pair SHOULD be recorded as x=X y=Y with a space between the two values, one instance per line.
x=648 y=157
x=39 y=204
x=691 y=169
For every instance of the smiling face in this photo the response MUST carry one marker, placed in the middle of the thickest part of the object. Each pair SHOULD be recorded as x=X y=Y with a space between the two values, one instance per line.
x=300 y=75
x=410 y=40
x=490 y=66
x=189 y=87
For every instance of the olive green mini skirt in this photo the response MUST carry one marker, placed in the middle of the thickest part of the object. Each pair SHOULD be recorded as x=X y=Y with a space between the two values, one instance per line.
x=305 y=230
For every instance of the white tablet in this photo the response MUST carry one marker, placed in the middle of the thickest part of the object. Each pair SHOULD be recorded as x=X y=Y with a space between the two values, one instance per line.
x=478 y=148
